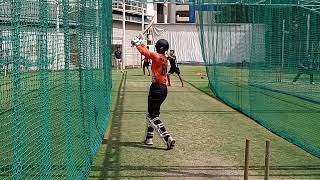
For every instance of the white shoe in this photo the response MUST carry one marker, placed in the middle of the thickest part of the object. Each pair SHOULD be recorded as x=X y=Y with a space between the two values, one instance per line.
x=171 y=142
x=148 y=142
x=312 y=83
x=294 y=83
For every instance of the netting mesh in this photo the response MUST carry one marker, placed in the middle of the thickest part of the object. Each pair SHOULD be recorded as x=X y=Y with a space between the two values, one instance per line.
x=263 y=58
x=55 y=85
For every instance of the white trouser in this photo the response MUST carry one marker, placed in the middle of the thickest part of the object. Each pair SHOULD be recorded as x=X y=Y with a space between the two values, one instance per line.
x=119 y=64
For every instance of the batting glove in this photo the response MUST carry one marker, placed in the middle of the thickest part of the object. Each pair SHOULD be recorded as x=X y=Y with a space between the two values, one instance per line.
x=136 y=41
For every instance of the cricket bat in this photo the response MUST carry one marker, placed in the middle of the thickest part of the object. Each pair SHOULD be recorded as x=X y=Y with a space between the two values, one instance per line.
x=147 y=28
x=149 y=25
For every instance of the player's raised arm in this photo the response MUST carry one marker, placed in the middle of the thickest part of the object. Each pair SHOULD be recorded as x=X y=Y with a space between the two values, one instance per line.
x=162 y=46
x=147 y=53
x=137 y=41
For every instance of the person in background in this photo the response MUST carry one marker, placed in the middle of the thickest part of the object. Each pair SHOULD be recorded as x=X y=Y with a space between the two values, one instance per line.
x=118 y=57
x=174 y=68
x=306 y=67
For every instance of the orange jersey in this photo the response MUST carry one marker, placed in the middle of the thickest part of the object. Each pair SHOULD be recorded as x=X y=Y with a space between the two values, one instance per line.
x=159 y=64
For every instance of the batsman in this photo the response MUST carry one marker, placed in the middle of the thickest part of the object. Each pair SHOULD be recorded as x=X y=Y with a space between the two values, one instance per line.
x=158 y=90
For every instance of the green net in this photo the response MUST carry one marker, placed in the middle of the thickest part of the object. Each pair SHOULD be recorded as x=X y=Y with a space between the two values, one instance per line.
x=263 y=58
x=55 y=85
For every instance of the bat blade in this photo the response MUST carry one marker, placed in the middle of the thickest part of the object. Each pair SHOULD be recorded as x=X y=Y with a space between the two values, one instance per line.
x=149 y=25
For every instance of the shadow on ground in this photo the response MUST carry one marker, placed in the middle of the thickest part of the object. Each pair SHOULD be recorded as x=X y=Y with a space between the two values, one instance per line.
x=113 y=146
x=203 y=171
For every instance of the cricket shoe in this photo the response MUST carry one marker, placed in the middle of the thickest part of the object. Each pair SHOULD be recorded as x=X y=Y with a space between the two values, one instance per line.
x=170 y=143
x=148 y=142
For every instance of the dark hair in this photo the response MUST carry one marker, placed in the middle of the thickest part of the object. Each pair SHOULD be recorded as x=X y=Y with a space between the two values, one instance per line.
x=172 y=50
x=147 y=47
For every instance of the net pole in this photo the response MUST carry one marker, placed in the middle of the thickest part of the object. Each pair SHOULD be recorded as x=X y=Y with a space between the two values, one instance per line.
x=142 y=30
x=44 y=90
x=5 y=70
x=57 y=34
x=69 y=156
x=308 y=34
x=142 y=9
x=18 y=126
x=283 y=39
x=124 y=34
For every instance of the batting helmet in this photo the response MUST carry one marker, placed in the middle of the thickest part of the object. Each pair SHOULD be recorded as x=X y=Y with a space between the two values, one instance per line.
x=162 y=45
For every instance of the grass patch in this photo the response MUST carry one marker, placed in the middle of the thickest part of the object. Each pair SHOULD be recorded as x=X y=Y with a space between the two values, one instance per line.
x=210 y=138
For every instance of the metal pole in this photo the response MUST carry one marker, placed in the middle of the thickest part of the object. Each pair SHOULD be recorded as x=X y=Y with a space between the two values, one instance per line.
x=5 y=56
x=283 y=34
x=142 y=9
x=308 y=34
x=142 y=29
x=267 y=158
x=5 y=70
x=124 y=35
x=6 y=61
x=57 y=34
x=246 y=165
